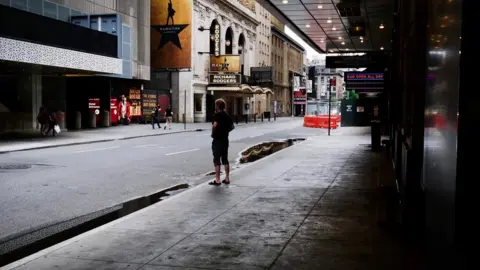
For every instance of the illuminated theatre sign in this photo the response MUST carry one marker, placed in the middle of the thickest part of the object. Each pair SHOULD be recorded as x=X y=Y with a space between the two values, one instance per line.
x=225 y=69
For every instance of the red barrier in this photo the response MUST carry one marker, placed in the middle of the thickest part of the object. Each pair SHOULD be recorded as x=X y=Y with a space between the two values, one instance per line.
x=320 y=121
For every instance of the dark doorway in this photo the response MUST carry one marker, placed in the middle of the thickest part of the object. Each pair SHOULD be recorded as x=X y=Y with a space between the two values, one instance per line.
x=210 y=104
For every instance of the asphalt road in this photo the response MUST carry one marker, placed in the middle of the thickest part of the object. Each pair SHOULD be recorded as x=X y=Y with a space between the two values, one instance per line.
x=71 y=181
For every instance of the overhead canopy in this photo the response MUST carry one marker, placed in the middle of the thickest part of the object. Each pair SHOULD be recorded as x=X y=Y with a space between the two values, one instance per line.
x=243 y=88
x=337 y=25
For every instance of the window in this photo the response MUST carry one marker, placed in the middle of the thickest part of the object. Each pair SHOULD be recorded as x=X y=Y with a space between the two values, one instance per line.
x=19 y=4
x=35 y=6
x=49 y=10
x=63 y=13
x=198 y=102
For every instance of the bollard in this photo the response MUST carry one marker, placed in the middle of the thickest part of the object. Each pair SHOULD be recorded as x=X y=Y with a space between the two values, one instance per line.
x=274 y=117
x=268 y=117
x=262 y=117
x=105 y=118
x=236 y=119
x=246 y=118
x=92 y=119
x=78 y=120
x=255 y=118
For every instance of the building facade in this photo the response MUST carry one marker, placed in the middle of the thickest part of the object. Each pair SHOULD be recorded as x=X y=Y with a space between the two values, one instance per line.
x=287 y=61
x=212 y=29
x=99 y=50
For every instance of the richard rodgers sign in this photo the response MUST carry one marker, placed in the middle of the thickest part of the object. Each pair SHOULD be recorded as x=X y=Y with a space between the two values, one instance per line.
x=225 y=78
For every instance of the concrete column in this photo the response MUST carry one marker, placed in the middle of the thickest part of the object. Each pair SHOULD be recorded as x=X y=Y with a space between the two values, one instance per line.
x=30 y=97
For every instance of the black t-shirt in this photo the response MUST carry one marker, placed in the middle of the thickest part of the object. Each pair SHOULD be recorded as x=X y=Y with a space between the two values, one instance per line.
x=224 y=124
x=169 y=112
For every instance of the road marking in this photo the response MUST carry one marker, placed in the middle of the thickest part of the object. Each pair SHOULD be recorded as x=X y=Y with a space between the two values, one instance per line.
x=98 y=149
x=261 y=134
x=181 y=152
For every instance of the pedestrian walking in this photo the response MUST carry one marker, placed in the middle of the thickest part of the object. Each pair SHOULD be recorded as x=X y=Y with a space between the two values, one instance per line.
x=42 y=120
x=52 y=123
x=168 y=117
x=221 y=128
x=155 y=117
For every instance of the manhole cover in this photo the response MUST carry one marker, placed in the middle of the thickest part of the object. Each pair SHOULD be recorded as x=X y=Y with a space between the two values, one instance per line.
x=15 y=166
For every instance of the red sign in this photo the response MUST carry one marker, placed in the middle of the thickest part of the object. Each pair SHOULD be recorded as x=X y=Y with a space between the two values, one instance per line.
x=94 y=106
x=113 y=111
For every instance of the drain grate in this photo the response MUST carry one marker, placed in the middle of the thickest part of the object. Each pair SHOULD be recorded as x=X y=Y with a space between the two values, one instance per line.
x=15 y=166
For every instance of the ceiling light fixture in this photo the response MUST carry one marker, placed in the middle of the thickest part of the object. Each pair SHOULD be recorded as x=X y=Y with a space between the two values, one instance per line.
x=320 y=6
x=285 y=1
x=381 y=48
x=329 y=20
x=381 y=26
x=333 y=28
x=343 y=42
x=322 y=41
x=308 y=25
x=339 y=37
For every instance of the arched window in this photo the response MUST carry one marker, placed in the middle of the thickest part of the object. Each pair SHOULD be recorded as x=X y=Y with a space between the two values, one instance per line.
x=229 y=41
x=212 y=36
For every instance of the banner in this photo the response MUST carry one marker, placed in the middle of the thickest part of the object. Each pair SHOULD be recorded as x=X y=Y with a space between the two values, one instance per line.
x=171 y=34
x=225 y=63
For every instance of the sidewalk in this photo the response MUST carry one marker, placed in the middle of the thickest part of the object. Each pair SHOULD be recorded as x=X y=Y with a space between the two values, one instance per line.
x=29 y=141
x=309 y=206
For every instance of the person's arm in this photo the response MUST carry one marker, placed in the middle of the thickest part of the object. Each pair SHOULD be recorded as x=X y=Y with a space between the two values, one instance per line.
x=214 y=125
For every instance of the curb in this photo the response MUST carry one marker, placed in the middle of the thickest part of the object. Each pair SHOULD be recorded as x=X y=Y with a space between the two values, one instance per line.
x=71 y=232
x=99 y=141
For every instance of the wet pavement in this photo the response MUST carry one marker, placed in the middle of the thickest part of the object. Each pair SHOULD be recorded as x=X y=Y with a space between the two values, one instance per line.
x=310 y=206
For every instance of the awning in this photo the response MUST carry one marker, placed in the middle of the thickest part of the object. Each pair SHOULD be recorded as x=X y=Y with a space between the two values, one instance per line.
x=243 y=88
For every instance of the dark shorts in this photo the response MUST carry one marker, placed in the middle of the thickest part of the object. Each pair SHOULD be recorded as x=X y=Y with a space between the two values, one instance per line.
x=220 y=152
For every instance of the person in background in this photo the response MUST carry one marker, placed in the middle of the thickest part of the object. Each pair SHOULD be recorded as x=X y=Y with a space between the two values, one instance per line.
x=52 y=122
x=168 y=117
x=124 y=111
x=221 y=128
x=155 y=117
x=42 y=119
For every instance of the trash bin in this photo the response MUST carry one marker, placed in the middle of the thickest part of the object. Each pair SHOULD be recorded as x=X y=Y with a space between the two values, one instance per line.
x=376 y=135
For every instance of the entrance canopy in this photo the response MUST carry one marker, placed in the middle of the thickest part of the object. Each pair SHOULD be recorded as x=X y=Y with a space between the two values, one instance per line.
x=242 y=89
x=337 y=26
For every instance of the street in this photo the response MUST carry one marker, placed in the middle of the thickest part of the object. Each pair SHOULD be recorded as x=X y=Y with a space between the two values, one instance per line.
x=61 y=183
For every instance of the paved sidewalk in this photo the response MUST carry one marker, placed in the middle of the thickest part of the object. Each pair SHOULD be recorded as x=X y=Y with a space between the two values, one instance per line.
x=29 y=141
x=309 y=206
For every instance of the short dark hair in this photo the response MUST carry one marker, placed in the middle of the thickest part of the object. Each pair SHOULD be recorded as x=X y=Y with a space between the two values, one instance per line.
x=220 y=103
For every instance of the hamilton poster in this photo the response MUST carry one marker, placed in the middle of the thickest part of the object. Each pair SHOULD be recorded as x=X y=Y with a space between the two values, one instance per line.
x=171 y=33
x=225 y=63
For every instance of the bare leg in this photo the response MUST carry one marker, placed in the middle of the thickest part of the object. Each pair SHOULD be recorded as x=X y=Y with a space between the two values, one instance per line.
x=227 y=172
x=217 y=173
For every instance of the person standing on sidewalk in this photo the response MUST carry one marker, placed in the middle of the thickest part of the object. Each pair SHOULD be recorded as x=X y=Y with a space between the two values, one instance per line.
x=155 y=117
x=221 y=128
x=168 y=117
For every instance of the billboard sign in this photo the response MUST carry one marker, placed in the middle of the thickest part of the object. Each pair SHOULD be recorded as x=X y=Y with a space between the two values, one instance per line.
x=171 y=34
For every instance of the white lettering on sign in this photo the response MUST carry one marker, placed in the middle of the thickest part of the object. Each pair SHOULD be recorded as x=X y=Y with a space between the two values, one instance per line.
x=217 y=39
x=224 y=79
